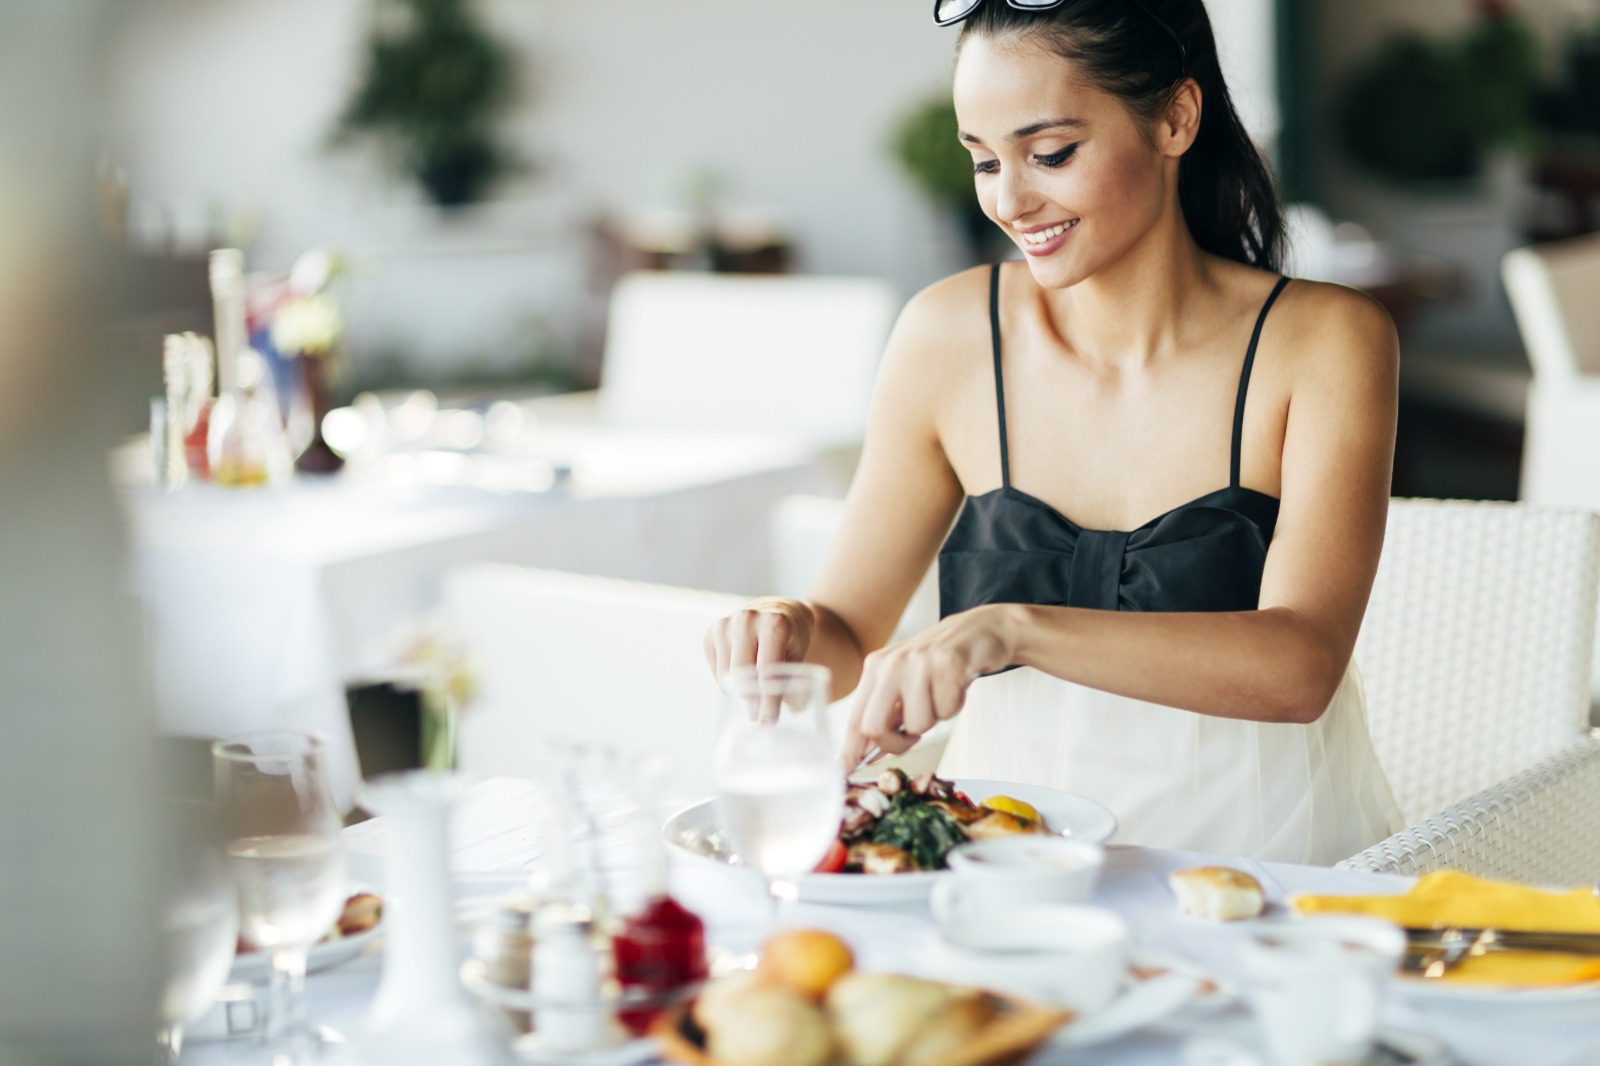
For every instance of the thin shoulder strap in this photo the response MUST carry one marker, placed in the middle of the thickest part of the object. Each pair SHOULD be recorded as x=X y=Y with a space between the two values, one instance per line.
x=999 y=377
x=1244 y=383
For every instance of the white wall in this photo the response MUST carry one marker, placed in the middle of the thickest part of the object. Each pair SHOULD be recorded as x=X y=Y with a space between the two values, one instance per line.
x=226 y=104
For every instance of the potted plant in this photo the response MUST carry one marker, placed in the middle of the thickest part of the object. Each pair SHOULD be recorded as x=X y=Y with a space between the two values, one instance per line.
x=434 y=85
x=926 y=147
x=1439 y=130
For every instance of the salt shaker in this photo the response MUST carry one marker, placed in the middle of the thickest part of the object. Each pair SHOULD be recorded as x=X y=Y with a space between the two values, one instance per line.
x=568 y=985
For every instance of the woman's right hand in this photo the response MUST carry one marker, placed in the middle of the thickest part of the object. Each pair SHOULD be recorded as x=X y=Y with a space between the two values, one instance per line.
x=768 y=630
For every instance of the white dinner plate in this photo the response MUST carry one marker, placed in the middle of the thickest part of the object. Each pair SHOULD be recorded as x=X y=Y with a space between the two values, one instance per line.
x=697 y=831
x=1159 y=988
x=1452 y=993
x=322 y=956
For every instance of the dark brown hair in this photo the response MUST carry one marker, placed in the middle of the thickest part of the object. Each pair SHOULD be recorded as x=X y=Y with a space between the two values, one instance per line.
x=1140 y=51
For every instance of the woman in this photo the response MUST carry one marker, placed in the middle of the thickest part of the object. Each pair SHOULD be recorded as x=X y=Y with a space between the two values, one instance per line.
x=1190 y=670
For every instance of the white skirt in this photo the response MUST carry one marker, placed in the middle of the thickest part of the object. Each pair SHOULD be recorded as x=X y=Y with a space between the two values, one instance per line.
x=1176 y=779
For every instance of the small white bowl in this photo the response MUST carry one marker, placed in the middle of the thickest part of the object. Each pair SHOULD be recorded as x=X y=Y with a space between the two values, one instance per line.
x=1060 y=953
x=1026 y=869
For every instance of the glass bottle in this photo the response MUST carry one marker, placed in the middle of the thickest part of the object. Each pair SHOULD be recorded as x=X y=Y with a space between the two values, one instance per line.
x=247 y=446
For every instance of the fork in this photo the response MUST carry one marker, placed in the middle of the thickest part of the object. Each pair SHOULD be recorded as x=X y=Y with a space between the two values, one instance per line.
x=1434 y=960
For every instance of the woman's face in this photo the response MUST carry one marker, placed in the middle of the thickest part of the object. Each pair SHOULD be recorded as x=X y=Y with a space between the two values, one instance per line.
x=1061 y=166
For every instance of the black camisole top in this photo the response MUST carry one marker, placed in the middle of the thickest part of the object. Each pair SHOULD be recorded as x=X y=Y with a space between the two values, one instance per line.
x=1205 y=555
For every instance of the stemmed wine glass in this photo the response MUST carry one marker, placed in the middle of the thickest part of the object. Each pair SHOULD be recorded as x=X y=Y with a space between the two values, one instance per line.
x=779 y=784
x=199 y=918
x=280 y=831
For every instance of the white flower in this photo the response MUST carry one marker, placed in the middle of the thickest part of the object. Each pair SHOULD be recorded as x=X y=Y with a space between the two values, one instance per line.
x=307 y=325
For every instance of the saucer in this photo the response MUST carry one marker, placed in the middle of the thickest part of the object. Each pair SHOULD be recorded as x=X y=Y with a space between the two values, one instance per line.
x=1393 y=1047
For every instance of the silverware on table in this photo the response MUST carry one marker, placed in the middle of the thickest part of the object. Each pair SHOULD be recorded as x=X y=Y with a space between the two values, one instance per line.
x=1437 y=958
x=1489 y=939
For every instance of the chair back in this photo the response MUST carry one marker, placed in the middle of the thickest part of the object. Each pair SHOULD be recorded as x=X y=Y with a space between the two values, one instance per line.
x=745 y=353
x=1555 y=295
x=573 y=658
x=1476 y=647
x=802 y=530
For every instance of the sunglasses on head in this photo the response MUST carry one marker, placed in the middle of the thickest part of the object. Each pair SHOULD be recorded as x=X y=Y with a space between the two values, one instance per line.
x=950 y=12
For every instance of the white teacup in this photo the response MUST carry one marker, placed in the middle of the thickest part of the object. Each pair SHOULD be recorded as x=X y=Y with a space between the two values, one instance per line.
x=1060 y=953
x=1017 y=871
x=1317 y=985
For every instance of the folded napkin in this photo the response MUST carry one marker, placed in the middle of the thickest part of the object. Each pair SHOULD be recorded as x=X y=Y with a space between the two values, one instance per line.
x=1449 y=897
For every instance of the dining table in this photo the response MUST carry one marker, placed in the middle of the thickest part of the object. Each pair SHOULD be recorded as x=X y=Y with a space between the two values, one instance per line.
x=494 y=848
x=262 y=605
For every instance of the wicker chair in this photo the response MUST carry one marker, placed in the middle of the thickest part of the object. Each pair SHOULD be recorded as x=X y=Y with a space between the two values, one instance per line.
x=1538 y=827
x=1476 y=652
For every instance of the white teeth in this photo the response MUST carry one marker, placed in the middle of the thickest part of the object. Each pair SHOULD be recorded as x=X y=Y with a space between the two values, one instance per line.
x=1049 y=234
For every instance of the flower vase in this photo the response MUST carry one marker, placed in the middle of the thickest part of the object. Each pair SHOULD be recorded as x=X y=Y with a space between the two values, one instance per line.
x=422 y=1014
x=439 y=718
x=315 y=457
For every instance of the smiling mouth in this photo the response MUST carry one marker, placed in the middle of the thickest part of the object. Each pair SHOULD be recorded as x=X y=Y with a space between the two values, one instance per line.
x=1047 y=235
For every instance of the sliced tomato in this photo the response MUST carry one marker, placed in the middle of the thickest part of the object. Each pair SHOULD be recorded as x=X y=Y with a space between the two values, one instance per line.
x=834 y=860
x=962 y=796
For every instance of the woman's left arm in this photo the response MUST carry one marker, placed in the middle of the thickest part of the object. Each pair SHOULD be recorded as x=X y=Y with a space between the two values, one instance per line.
x=1279 y=663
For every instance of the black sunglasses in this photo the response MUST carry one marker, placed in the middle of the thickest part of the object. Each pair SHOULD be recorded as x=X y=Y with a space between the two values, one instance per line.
x=950 y=12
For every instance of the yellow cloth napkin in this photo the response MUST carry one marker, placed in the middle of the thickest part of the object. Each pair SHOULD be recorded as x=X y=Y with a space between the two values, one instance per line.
x=1449 y=897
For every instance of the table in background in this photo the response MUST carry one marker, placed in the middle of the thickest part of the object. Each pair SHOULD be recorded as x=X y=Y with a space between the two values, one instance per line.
x=261 y=605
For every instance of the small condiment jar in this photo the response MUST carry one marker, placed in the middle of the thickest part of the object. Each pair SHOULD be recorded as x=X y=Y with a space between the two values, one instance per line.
x=571 y=1014
x=504 y=944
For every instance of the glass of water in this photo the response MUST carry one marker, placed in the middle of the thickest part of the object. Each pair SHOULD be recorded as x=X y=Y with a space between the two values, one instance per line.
x=280 y=831
x=199 y=918
x=779 y=784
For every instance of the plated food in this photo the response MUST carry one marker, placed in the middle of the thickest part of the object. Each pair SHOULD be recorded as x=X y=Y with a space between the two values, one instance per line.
x=806 y=1005
x=358 y=924
x=362 y=912
x=697 y=832
x=900 y=824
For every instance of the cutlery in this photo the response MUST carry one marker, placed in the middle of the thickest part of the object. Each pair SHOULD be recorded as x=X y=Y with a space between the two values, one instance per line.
x=1489 y=939
x=1430 y=961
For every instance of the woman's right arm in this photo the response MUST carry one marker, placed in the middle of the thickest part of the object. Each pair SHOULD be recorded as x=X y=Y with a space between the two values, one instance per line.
x=899 y=507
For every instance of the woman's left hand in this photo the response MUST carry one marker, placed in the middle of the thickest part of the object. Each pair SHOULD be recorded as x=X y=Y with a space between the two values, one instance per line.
x=908 y=688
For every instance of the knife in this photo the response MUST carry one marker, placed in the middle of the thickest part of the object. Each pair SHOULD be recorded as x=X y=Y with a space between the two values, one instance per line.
x=1508 y=939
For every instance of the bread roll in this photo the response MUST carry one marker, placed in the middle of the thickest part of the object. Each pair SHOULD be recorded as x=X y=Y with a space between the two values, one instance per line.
x=1219 y=893
x=951 y=1029
x=761 y=1026
x=877 y=1014
x=721 y=997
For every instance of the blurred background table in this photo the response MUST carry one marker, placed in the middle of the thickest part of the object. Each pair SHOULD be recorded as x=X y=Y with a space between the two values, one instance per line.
x=261 y=605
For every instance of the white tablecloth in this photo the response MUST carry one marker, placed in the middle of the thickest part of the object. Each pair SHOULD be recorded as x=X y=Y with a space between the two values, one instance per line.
x=493 y=845
x=261 y=605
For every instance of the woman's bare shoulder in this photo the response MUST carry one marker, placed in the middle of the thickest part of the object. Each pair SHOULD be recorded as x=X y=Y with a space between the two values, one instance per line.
x=944 y=326
x=957 y=302
x=1333 y=329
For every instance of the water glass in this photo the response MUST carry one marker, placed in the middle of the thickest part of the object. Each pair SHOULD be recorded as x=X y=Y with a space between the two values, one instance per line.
x=199 y=918
x=280 y=830
x=779 y=784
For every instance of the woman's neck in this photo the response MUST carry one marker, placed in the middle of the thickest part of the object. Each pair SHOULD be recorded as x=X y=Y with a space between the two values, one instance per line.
x=1129 y=314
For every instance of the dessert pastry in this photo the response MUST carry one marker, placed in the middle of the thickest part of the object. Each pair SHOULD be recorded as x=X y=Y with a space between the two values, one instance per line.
x=877 y=1015
x=763 y=1026
x=1219 y=893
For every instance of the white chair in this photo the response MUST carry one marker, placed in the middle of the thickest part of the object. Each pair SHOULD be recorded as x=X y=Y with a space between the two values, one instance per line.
x=568 y=657
x=780 y=354
x=802 y=529
x=1537 y=827
x=1555 y=295
x=1476 y=654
